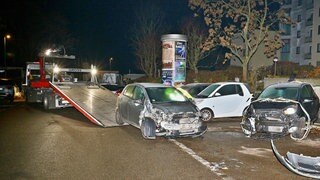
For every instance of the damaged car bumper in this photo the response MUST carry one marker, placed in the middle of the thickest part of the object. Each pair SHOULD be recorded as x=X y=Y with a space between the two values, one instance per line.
x=181 y=125
x=299 y=164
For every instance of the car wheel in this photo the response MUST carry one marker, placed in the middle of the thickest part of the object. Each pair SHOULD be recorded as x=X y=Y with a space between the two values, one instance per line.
x=118 y=119
x=318 y=116
x=148 y=129
x=301 y=129
x=206 y=114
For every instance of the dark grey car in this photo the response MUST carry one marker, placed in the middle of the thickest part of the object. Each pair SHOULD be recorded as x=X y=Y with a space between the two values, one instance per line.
x=158 y=110
x=6 y=89
x=281 y=109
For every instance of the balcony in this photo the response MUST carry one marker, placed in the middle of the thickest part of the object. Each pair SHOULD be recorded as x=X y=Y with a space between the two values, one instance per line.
x=307 y=39
x=309 y=22
x=307 y=56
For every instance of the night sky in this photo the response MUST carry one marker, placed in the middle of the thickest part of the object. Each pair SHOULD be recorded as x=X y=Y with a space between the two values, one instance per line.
x=100 y=28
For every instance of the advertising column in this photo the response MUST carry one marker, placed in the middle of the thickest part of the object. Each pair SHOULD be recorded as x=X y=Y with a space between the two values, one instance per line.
x=174 y=54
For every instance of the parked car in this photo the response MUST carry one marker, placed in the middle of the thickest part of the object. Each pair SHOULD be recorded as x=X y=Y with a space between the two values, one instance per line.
x=194 y=88
x=6 y=89
x=282 y=109
x=158 y=110
x=115 y=88
x=223 y=99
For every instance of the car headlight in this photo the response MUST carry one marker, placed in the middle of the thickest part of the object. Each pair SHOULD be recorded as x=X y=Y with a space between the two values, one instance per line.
x=290 y=110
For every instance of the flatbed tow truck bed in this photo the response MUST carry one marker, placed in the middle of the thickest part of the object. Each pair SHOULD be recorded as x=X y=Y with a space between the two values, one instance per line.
x=94 y=102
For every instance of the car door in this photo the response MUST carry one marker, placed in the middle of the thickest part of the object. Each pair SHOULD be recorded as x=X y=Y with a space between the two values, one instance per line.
x=124 y=101
x=136 y=105
x=309 y=101
x=226 y=101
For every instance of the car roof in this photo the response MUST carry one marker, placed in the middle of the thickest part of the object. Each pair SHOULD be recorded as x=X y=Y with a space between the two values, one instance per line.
x=289 y=84
x=228 y=82
x=195 y=84
x=146 y=85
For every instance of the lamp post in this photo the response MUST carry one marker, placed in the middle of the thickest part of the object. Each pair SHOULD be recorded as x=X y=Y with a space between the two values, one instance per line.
x=5 y=52
x=110 y=62
x=275 y=60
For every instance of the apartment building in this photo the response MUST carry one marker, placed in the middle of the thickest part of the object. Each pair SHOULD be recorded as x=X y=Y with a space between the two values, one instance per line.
x=302 y=39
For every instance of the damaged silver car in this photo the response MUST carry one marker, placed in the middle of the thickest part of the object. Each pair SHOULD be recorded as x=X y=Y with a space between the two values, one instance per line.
x=282 y=109
x=158 y=110
x=302 y=165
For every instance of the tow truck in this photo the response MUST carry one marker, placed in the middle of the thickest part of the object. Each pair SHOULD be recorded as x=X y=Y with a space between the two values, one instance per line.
x=54 y=86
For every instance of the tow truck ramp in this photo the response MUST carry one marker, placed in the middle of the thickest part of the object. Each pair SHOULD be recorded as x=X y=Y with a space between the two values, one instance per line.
x=95 y=103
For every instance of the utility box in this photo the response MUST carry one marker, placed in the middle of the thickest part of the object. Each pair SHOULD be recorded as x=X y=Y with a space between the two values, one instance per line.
x=174 y=59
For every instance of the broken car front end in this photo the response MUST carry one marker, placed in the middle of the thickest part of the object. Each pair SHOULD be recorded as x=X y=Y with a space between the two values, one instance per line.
x=274 y=118
x=178 y=120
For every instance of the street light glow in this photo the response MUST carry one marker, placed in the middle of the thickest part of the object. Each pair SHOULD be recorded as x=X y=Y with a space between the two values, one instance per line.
x=5 y=51
x=275 y=60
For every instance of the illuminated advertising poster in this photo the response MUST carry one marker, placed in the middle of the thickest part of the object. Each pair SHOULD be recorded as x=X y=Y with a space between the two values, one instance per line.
x=167 y=54
x=180 y=71
x=167 y=77
x=181 y=50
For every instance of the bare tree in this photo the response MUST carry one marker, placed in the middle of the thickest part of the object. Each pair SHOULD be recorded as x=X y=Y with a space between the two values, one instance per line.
x=241 y=26
x=146 y=38
x=196 y=37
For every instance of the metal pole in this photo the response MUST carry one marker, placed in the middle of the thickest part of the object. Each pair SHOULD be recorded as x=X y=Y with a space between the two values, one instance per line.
x=110 y=61
x=275 y=68
x=5 y=56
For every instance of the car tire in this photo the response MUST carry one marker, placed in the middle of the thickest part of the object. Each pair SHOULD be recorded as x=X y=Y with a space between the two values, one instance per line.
x=117 y=117
x=148 y=129
x=301 y=130
x=206 y=114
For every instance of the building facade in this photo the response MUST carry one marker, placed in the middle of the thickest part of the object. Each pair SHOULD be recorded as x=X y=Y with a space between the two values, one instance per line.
x=302 y=38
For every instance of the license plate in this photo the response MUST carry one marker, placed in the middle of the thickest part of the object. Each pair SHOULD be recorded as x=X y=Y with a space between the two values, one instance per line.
x=275 y=128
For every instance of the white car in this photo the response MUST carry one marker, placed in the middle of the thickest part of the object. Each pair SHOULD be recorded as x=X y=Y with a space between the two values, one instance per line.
x=223 y=99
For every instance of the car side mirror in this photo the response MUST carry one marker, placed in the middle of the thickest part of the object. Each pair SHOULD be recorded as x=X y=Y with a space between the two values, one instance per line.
x=217 y=94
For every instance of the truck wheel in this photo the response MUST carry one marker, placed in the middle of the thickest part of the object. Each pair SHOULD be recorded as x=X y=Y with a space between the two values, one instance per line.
x=46 y=102
x=206 y=114
x=118 y=118
x=148 y=129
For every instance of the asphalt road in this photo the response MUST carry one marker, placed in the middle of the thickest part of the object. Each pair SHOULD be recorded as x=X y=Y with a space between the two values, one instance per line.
x=63 y=144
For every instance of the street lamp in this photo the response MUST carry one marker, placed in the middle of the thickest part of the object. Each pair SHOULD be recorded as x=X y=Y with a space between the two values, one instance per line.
x=5 y=51
x=275 y=60
x=110 y=61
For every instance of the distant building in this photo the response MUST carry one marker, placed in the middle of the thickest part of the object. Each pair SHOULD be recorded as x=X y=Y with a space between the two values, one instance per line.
x=302 y=39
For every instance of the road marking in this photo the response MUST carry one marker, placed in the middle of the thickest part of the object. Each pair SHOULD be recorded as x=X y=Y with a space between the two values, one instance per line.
x=214 y=167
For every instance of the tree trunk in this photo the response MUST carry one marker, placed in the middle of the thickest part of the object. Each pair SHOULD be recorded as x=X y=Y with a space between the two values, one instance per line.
x=245 y=72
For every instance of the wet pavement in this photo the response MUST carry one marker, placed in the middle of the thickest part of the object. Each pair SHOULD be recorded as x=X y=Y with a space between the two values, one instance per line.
x=63 y=144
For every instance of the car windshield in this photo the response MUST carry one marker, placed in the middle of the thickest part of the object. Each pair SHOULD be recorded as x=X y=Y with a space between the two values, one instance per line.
x=165 y=94
x=206 y=92
x=280 y=92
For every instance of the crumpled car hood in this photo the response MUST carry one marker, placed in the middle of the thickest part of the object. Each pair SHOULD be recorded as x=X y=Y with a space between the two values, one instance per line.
x=175 y=107
x=278 y=103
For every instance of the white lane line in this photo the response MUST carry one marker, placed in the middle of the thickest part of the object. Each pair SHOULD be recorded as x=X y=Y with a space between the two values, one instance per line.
x=214 y=167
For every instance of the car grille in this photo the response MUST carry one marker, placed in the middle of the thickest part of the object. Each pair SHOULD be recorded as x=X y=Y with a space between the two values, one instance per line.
x=270 y=115
x=184 y=118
